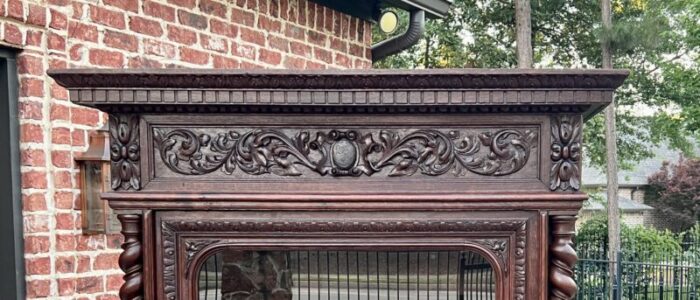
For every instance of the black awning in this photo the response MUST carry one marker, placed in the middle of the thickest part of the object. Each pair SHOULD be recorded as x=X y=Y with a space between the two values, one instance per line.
x=369 y=9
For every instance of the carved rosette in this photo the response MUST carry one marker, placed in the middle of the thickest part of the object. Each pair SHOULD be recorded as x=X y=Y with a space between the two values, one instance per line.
x=566 y=153
x=124 y=152
x=345 y=152
x=131 y=260
x=562 y=258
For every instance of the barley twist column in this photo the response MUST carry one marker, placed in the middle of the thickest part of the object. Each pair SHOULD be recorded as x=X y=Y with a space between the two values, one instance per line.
x=562 y=258
x=131 y=260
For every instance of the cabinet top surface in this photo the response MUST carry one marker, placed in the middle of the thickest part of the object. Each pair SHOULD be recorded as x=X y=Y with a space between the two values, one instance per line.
x=438 y=90
x=341 y=79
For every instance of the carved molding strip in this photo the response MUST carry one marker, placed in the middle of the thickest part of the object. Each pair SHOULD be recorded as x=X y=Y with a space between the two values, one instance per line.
x=341 y=226
x=329 y=97
x=124 y=152
x=520 y=263
x=566 y=153
x=337 y=109
x=499 y=248
x=345 y=152
x=169 y=261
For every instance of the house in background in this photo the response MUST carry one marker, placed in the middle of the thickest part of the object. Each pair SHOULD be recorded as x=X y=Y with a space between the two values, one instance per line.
x=635 y=206
x=633 y=213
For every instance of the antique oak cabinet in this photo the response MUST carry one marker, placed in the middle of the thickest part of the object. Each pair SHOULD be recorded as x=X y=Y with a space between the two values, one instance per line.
x=345 y=184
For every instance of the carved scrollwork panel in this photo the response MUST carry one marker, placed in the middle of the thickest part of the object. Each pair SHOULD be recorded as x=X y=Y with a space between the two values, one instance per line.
x=351 y=152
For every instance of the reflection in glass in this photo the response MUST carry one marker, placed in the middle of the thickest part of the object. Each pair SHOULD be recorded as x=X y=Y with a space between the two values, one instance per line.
x=345 y=275
x=93 y=188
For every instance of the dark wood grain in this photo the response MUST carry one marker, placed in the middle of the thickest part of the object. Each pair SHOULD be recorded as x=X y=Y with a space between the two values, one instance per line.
x=131 y=260
x=480 y=160
x=562 y=258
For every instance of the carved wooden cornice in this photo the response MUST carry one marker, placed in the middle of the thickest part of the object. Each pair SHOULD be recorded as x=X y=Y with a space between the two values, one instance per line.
x=586 y=90
x=345 y=79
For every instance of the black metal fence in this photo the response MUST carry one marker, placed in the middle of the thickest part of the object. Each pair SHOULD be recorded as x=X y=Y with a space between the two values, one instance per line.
x=363 y=275
x=637 y=280
x=668 y=275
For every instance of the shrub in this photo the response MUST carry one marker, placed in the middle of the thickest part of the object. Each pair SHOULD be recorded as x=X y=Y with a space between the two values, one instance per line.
x=638 y=243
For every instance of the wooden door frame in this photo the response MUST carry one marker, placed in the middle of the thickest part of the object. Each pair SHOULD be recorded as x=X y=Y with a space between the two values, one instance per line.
x=12 y=281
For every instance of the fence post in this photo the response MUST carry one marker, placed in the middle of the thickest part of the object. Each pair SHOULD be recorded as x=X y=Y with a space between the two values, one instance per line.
x=617 y=281
x=676 y=287
x=462 y=268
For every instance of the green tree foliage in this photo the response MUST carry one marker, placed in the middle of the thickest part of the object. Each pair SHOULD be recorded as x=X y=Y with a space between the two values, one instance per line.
x=657 y=40
x=675 y=190
x=637 y=242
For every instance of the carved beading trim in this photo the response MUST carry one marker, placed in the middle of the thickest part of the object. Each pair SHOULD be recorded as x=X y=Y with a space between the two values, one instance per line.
x=125 y=152
x=497 y=247
x=131 y=260
x=337 y=109
x=563 y=258
x=342 y=226
x=169 y=261
x=565 y=173
x=345 y=152
x=520 y=262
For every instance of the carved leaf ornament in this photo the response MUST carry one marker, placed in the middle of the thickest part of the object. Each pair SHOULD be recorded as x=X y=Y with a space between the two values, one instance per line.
x=345 y=153
x=566 y=153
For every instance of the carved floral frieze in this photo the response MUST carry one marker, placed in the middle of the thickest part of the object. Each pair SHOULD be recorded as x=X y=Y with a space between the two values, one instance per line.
x=353 y=152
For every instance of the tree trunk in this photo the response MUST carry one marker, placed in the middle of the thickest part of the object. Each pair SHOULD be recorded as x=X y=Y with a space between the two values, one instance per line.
x=611 y=149
x=523 y=33
x=426 y=63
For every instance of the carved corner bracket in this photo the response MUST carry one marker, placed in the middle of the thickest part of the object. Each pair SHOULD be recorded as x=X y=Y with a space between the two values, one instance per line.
x=192 y=248
x=124 y=152
x=566 y=149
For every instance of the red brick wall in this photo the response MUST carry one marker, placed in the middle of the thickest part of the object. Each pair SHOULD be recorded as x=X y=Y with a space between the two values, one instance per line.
x=61 y=262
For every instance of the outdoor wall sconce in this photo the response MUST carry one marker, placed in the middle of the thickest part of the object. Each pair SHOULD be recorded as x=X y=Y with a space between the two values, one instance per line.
x=388 y=22
x=94 y=164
